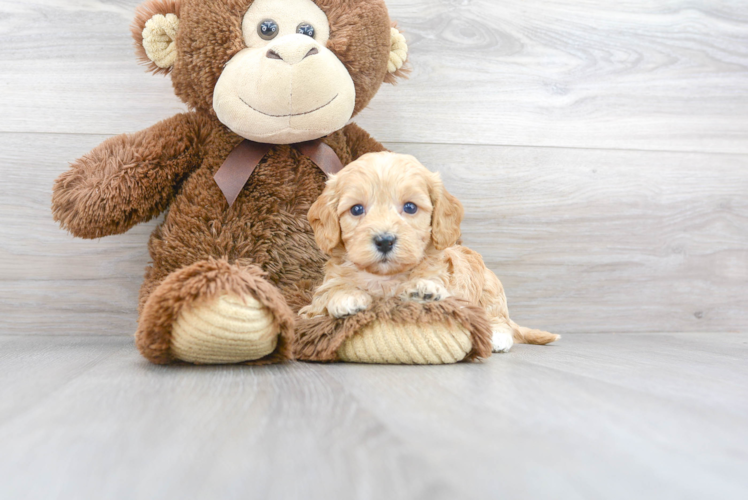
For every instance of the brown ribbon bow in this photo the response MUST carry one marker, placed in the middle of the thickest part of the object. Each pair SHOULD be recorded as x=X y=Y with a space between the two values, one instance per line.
x=241 y=163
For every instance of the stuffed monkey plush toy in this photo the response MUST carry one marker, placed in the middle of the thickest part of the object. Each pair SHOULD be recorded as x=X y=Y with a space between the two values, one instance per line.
x=271 y=86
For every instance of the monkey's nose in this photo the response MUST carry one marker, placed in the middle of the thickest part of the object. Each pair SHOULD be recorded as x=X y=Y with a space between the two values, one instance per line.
x=290 y=55
x=385 y=243
x=271 y=54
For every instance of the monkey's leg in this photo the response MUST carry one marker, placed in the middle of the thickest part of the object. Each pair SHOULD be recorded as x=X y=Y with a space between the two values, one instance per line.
x=214 y=312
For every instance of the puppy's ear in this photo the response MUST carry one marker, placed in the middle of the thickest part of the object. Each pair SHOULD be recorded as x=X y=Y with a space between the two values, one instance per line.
x=446 y=217
x=323 y=216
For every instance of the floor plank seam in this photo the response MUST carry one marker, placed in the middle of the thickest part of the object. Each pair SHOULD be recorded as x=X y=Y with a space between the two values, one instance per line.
x=450 y=144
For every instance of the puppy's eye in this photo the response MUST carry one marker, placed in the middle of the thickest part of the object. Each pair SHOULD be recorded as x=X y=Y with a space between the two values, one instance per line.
x=410 y=208
x=357 y=210
x=267 y=29
x=305 y=29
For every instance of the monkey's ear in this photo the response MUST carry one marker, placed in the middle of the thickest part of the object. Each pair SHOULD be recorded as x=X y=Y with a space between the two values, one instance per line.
x=155 y=32
x=323 y=216
x=446 y=217
x=396 y=66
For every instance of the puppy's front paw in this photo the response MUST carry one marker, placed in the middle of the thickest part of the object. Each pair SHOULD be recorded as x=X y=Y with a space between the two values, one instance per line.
x=347 y=304
x=425 y=291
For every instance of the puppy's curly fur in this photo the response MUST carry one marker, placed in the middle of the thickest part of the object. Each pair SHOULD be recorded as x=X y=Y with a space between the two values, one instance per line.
x=392 y=230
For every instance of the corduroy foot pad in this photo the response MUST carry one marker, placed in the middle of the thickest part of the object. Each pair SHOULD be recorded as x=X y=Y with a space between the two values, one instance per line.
x=225 y=330
x=398 y=332
x=214 y=312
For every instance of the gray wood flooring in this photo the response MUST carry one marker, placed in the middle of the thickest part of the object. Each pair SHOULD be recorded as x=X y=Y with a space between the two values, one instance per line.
x=659 y=416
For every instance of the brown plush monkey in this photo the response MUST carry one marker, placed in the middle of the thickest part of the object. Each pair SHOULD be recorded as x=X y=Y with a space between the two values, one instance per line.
x=235 y=255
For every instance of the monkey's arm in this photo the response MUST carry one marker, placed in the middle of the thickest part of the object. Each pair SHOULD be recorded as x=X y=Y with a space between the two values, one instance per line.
x=128 y=179
x=360 y=142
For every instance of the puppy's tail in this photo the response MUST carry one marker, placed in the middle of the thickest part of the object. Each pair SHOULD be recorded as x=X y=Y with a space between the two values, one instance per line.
x=523 y=335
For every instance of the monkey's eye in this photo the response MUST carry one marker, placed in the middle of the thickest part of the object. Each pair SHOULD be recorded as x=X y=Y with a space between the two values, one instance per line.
x=358 y=210
x=267 y=29
x=305 y=29
x=410 y=208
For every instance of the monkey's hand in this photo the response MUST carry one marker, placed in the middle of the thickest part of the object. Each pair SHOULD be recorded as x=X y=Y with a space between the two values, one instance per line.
x=128 y=179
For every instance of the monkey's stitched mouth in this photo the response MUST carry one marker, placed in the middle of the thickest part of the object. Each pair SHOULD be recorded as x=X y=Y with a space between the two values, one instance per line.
x=289 y=115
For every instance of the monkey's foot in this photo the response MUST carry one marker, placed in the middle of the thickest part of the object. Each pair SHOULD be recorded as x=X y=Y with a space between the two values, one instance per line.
x=383 y=342
x=397 y=331
x=213 y=312
x=229 y=329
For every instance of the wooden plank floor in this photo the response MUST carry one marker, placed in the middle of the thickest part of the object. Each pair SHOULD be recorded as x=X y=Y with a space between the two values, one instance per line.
x=595 y=416
x=601 y=150
x=583 y=240
x=565 y=73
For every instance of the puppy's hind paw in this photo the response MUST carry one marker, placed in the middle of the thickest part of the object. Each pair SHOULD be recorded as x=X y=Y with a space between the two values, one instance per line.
x=425 y=291
x=501 y=342
x=343 y=305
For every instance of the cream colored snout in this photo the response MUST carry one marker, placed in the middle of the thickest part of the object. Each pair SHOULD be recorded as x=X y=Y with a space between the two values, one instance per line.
x=290 y=90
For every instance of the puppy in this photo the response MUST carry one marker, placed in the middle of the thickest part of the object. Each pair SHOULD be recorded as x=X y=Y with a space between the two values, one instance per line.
x=392 y=230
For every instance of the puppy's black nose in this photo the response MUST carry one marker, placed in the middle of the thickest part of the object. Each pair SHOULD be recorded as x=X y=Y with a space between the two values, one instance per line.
x=385 y=242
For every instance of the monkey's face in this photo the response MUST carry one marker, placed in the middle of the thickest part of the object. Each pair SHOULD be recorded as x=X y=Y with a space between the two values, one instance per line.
x=286 y=86
x=274 y=71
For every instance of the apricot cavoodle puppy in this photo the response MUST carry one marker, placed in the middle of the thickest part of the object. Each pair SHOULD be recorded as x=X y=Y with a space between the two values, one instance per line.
x=392 y=230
